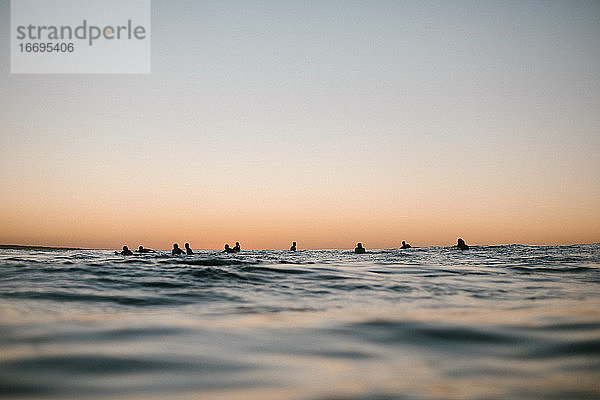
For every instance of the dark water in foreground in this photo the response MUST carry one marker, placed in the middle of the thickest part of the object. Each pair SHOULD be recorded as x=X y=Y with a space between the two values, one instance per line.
x=505 y=322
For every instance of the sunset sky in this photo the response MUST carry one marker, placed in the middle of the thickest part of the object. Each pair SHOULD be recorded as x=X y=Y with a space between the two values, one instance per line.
x=323 y=122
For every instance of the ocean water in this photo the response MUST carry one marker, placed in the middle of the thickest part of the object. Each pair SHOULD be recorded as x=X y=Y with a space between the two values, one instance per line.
x=493 y=322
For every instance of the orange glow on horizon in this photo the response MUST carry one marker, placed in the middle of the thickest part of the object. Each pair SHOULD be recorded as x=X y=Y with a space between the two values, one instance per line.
x=276 y=227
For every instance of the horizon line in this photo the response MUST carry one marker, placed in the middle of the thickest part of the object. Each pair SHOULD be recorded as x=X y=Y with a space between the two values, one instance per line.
x=44 y=247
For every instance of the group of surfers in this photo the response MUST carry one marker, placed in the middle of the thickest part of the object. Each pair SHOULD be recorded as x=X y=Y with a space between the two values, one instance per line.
x=460 y=245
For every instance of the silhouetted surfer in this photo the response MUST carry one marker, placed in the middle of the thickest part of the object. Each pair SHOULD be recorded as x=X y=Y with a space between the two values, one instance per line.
x=141 y=249
x=359 y=248
x=125 y=252
x=405 y=245
x=228 y=249
x=293 y=248
x=176 y=250
x=188 y=251
x=237 y=247
x=461 y=245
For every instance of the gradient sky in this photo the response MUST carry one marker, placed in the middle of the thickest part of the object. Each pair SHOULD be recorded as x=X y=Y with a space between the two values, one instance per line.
x=323 y=122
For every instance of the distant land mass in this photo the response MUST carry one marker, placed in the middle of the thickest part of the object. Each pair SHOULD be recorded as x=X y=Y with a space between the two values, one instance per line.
x=22 y=247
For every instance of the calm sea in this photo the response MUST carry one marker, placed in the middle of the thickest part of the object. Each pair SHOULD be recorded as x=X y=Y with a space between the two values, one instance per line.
x=493 y=322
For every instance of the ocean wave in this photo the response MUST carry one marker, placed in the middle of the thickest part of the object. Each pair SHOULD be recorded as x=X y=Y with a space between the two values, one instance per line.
x=495 y=322
x=96 y=298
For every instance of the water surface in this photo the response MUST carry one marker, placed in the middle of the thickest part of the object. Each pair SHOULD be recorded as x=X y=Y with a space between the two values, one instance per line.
x=433 y=323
